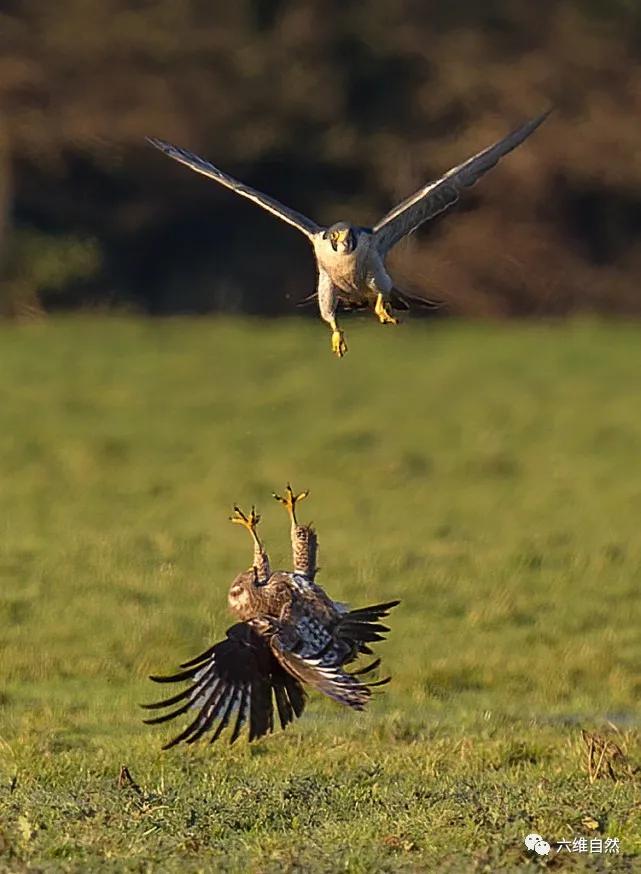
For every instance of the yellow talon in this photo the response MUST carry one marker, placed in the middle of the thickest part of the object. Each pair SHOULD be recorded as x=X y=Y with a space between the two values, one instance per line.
x=380 y=308
x=249 y=522
x=289 y=500
x=339 y=346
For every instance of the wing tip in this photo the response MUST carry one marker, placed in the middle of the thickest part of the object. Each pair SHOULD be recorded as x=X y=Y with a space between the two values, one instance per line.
x=538 y=120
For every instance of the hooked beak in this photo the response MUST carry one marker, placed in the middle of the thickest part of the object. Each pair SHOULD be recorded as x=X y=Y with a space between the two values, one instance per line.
x=343 y=237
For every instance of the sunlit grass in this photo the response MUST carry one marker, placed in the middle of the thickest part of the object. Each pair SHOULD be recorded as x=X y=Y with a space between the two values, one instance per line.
x=486 y=475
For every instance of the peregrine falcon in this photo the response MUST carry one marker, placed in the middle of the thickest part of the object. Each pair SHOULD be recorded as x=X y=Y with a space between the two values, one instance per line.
x=351 y=259
x=289 y=633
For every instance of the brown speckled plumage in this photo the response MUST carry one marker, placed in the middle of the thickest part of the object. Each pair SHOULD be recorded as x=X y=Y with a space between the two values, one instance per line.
x=289 y=633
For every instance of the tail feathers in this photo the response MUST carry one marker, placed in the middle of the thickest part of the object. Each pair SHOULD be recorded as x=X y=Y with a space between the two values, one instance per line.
x=402 y=300
x=307 y=301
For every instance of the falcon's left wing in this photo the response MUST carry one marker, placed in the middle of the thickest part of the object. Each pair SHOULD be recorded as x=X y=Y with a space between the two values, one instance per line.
x=296 y=219
x=238 y=679
x=437 y=196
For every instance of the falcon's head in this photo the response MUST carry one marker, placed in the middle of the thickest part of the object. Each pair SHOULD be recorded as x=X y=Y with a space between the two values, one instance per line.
x=342 y=236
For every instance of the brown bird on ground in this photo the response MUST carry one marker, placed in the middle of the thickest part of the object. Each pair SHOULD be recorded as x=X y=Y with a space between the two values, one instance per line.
x=290 y=633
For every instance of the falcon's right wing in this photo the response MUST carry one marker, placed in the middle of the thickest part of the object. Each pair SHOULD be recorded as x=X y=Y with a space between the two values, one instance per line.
x=296 y=219
x=234 y=679
x=437 y=196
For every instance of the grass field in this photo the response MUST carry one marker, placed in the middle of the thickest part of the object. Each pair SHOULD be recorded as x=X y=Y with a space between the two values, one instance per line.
x=487 y=475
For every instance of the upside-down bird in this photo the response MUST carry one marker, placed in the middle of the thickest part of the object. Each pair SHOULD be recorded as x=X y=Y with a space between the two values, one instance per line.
x=351 y=259
x=290 y=633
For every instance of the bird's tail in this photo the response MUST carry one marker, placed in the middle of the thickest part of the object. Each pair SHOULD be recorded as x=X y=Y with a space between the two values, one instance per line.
x=307 y=301
x=403 y=300
x=400 y=300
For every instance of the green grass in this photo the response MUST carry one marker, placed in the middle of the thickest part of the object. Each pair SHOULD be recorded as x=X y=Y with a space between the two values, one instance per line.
x=487 y=475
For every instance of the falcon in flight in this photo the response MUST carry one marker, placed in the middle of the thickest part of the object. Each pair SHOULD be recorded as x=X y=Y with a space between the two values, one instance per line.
x=351 y=259
x=289 y=634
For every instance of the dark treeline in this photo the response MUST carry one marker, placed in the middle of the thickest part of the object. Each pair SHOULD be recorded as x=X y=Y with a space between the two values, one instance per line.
x=339 y=109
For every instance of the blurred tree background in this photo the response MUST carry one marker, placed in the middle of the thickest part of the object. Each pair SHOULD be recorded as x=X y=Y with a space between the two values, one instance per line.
x=337 y=108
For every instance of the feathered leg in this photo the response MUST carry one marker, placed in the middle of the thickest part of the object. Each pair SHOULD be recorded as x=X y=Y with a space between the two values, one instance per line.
x=303 y=537
x=380 y=283
x=327 y=302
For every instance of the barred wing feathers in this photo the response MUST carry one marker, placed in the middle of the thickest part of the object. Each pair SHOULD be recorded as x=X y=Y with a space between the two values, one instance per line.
x=236 y=680
x=331 y=680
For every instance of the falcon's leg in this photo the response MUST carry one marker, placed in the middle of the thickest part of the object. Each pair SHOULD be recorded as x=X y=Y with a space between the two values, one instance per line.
x=381 y=310
x=303 y=537
x=379 y=282
x=339 y=346
x=261 y=559
x=327 y=302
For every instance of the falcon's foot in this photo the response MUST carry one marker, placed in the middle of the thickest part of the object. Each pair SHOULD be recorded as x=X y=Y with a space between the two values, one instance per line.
x=249 y=522
x=289 y=500
x=384 y=316
x=339 y=346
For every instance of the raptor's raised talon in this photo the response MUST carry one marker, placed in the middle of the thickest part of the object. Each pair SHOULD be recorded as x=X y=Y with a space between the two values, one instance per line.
x=249 y=522
x=289 y=500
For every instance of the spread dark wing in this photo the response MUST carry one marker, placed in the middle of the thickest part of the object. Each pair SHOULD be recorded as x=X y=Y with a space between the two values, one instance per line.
x=234 y=680
x=436 y=196
x=361 y=627
x=296 y=219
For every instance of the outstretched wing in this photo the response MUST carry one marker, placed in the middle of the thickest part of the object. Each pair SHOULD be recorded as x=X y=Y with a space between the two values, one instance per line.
x=359 y=628
x=236 y=679
x=330 y=679
x=296 y=219
x=436 y=196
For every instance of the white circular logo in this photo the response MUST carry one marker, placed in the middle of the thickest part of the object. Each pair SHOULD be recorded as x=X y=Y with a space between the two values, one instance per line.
x=532 y=840
x=542 y=847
